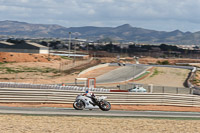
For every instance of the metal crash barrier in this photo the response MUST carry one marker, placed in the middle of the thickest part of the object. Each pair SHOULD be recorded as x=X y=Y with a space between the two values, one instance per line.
x=58 y=96
x=43 y=86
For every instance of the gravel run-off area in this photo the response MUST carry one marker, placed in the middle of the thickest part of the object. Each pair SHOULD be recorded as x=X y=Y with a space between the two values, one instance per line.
x=165 y=76
x=68 y=124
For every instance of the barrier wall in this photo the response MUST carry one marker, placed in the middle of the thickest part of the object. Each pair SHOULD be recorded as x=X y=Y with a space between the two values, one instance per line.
x=191 y=76
x=43 y=86
x=23 y=95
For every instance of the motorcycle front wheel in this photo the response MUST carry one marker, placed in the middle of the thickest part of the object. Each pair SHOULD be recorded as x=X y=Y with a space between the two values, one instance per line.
x=104 y=105
x=79 y=105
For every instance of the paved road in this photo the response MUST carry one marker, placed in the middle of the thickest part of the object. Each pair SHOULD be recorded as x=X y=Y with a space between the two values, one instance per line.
x=72 y=112
x=129 y=71
x=121 y=74
x=172 y=66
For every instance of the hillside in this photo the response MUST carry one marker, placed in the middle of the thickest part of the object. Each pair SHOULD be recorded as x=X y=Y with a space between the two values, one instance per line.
x=22 y=29
x=124 y=33
x=38 y=69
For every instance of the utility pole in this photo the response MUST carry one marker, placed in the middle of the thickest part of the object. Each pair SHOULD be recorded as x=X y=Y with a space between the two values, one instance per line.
x=87 y=46
x=135 y=67
x=76 y=40
x=69 y=47
x=48 y=52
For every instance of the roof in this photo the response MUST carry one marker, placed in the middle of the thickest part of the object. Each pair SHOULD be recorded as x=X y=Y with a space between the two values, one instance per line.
x=20 y=45
x=7 y=43
x=37 y=45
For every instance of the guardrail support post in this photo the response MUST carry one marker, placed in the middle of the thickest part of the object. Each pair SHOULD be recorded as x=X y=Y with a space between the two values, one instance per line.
x=163 y=89
x=151 y=88
x=191 y=90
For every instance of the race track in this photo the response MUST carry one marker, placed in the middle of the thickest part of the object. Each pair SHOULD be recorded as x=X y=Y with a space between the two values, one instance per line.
x=97 y=112
x=123 y=73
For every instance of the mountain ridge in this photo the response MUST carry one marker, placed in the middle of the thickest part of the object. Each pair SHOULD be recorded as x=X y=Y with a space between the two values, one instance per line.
x=124 y=33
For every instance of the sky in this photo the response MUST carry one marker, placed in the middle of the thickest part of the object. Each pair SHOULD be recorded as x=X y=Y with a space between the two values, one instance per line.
x=161 y=15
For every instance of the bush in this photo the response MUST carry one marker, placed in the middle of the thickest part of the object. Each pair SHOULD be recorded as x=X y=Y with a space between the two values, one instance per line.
x=166 y=62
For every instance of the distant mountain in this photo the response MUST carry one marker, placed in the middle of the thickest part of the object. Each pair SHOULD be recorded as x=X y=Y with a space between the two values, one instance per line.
x=124 y=33
x=22 y=29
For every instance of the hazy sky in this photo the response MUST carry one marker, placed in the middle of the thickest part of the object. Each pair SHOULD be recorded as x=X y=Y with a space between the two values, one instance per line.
x=160 y=15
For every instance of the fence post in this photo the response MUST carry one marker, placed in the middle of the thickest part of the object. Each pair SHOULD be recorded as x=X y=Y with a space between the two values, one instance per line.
x=151 y=88
x=163 y=89
x=191 y=90
x=176 y=90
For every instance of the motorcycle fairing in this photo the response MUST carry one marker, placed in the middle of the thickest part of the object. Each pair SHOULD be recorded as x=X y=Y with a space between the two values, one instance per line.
x=87 y=102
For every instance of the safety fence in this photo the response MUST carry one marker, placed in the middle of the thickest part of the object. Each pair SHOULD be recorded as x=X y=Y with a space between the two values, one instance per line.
x=191 y=76
x=189 y=89
x=73 y=63
x=149 y=88
x=152 y=88
x=23 y=95
x=44 y=86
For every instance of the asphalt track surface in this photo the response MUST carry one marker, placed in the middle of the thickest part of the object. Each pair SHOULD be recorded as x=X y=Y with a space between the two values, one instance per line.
x=95 y=112
x=120 y=74
x=129 y=71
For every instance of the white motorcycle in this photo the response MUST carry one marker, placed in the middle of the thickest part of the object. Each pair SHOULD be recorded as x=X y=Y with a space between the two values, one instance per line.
x=88 y=102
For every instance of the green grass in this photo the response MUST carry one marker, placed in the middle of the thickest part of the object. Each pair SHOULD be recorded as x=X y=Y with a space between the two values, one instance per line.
x=195 y=81
x=7 y=70
x=166 y=62
x=5 y=78
x=42 y=70
x=65 y=57
x=11 y=70
x=155 y=72
x=142 y=75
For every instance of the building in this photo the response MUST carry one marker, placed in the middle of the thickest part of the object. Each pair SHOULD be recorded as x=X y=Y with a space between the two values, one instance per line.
x=23 y=47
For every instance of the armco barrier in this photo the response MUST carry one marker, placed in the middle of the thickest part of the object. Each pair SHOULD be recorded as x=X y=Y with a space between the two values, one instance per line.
x=190 y=77
x=23 y=95
x=43 y=86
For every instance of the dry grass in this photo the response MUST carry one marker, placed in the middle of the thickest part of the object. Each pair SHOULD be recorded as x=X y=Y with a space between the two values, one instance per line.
x=67 y=124
x=164 y=76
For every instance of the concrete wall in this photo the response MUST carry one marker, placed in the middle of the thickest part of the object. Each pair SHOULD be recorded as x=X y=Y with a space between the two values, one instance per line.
x=44 y=51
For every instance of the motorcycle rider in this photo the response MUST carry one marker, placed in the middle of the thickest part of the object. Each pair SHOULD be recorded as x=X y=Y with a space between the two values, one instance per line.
x=92 y=96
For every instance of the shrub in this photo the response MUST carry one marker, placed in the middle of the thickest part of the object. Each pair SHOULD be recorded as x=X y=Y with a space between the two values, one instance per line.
x=166 y=62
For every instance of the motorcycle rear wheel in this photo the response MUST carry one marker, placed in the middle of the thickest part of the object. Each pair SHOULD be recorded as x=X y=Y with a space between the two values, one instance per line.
x=79 y=105
x=104 y=105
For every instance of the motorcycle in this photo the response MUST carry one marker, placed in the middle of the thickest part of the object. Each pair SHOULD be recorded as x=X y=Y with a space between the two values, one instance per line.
x=86 y=102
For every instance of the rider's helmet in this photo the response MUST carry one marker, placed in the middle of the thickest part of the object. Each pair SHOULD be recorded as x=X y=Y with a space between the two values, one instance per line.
x=87 y=91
